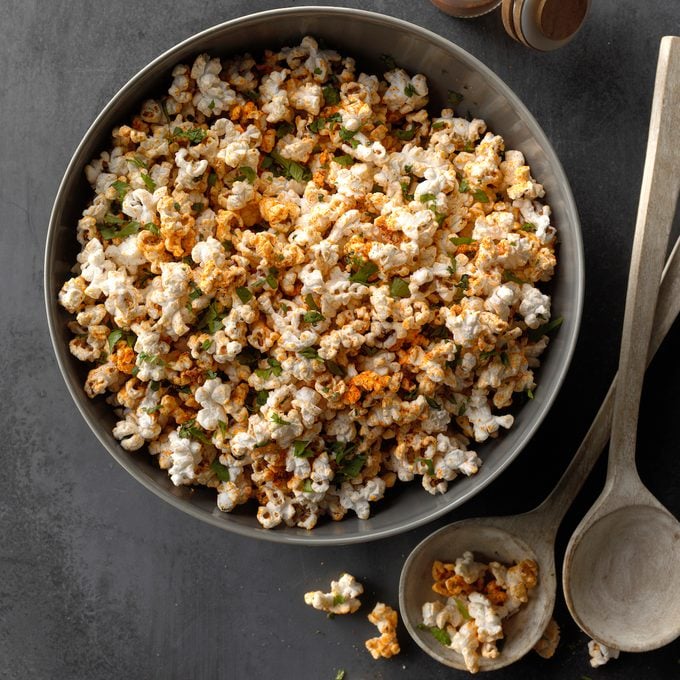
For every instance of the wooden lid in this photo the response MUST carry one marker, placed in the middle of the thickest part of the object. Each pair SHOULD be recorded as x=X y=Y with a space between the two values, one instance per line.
x=543 y=24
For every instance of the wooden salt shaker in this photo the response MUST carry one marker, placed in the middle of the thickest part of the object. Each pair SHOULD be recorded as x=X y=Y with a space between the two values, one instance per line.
x=540 y=24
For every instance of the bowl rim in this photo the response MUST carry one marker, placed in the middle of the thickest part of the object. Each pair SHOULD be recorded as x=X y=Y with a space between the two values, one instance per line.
x=283 y=535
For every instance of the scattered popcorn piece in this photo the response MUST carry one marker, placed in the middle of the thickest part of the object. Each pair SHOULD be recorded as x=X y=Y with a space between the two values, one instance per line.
x=547 y=645
x=343 y=597
x=600 y=654
x=385 y=646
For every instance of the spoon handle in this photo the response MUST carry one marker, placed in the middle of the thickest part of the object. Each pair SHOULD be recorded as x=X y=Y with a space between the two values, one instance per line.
x=554 y=507
x=658 y=197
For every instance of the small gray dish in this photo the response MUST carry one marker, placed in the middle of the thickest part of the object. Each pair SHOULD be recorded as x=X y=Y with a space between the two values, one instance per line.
x=368 y=37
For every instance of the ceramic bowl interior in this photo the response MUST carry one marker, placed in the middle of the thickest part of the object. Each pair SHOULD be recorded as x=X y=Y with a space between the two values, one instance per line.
x=367 y=37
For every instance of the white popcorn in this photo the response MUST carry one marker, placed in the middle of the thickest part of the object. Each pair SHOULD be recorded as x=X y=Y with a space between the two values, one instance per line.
x=214 y=95
x=185 y=455
x=189 y=170
x=343 y=597
x=600 y=654
x=535 y=306
x=405 y=94
x=213 y=397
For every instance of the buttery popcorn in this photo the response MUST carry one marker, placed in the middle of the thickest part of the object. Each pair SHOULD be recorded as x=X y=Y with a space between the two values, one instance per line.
x=297 y=287
x=479 y=597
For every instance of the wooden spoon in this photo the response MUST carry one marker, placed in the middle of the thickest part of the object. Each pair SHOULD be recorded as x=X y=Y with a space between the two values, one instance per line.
x=621 y=572
x=530 y=535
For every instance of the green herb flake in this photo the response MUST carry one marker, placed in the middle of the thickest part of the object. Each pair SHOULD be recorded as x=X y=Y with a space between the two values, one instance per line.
x=530 y=394
x=388 y=61
x=480 y=195
x=439 y=125
x=433 y=403
x=197 y=207
x=317 y=71
x=428 y=463
x=460 y=606
x=261 y=397
x=152 y=409
x=335 y=368
x=211 y=106
x=309 y=353
x=212 y=179
x=461 y=240
x=137 y=162
x=313 y=317
x=190 y=430
x=114 y=336
x=309 y=301
x=154 y=386
x=399 y=288
x=339 y=599
x=409 y=90
x=221 y=471
x=247 y=174
x=127 y=229
x=307 y=486
x=211 y=375
x=291 y=169
x=426 y=198
x=364 y=273
x=195 y=293
x=206 y=344
x=271 y=279
x=346 y=134
x=331 y=95
x=351 y=468
x=405 y=135
x=212 y=318
x=454 y=98
x=276 y=418
x=252 y=95
x=148 y=182
x=528 y=226
x=345 y=160
x=535 y=334
x=150 y=226
x=463 y=185
x=223 y=427
x=439 y=634
x=121 y=189
x=284 y=129
x=340 y=675
x=244 y=294
x=194 y=135
x=301 y=450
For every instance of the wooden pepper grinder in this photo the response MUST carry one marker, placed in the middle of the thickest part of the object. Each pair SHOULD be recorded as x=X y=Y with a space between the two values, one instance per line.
x=540 y=24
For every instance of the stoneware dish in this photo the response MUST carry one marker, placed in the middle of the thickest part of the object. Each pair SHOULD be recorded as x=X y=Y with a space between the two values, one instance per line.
x=365 y=36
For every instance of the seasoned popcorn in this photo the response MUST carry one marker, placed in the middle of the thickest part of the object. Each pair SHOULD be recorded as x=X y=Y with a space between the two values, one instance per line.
x=547 y=645
x=600 y=654
x=385 y=618
x=479 y=597
x=296 y=287
x=342 y=599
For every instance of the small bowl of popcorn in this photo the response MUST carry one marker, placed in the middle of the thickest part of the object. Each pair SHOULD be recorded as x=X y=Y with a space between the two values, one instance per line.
x=314 y=275
x=466 y=599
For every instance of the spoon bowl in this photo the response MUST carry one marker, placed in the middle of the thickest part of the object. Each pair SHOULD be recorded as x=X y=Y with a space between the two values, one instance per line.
x=491 y=538
x=623 y=584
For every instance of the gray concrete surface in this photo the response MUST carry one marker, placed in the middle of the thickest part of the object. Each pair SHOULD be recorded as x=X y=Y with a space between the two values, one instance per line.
x=100 y=579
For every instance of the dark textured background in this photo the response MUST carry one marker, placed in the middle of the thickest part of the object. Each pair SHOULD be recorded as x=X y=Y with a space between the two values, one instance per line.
x=99 y=578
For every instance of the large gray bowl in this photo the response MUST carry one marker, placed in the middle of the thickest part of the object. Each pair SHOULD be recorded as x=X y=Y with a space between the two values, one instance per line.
x=366 y=36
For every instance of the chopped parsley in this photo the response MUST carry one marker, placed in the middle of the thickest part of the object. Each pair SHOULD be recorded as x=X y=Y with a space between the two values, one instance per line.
x=345 y=160
x=309 y=301
x=221 y=471
x=331 y=95
x=196 y=292
x=283 y=129
x=399 y=288
x=276 y=418
x=309 y=353
x=148 y=182
x=271 y=279
x=335 y=368
x=426 y=198
x=150 y=226
x=121 y=189
x=339 y=599
x=461 y=240
x=428 y=463
x=274 y=369
x=307 y=486
x=291 y=169
x=509 y=276
x=194 y=135
x=462 y=286
x=211 y=321
x=364 y=273
x=313 y=317
x=438 y=125
x=206 y=344
x=349 y=469
x=439 y=633
x=389 y=61
x=406 y=135
x=247 y=174
x=480 y=195
x=409 y=90
x=124 y=228
x=433 y=403
x=119 y=334
x=212 y=179
x=535 y=334
x=197 y=207
x=301 y=449
x=244 y=294
x=454 y=98
x=528 y=226
x=137 y=162
x=463 y=185
x=190 y=430
x=460 y=606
